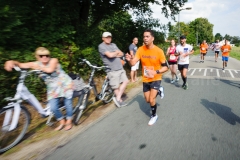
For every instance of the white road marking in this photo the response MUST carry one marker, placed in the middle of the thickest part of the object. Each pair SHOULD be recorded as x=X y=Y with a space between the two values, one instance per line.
x=231 y=73
x=217 y=73
x=193 y=72
x=205 y=72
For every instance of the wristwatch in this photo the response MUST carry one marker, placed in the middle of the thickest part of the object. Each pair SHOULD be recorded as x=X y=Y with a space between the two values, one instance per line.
x=157 y=71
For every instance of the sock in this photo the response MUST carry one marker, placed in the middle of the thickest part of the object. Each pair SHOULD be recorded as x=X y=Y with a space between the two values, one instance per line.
x=184 y=80
x=154 y=109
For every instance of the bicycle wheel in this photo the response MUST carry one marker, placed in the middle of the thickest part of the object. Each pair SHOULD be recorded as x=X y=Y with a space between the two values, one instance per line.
x=9 y=138
x=109 y=93
x=82 y=105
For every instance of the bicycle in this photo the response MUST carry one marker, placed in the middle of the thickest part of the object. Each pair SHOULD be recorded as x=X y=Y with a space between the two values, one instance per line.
x=106 y=94
x=15 y=117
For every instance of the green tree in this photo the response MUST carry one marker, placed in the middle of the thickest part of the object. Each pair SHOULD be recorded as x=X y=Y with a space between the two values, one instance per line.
x=228 y=37
x=218 y=36
x=174 y=30
x=203 y=30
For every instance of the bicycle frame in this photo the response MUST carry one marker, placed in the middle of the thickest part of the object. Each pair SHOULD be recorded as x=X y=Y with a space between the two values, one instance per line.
x=15 y=102
x=102 y=94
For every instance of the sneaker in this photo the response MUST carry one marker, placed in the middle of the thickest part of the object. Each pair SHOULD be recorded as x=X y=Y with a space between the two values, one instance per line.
x=172 y=81
x=118 y=103
x=161 y=92
x=153 y=119
x=177 y=79
x=202 y=61
x=185 y=86
x=123 y=104
x=222 y=68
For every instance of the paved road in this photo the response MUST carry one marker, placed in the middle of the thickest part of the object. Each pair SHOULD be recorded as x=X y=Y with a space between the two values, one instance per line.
x=201 y=123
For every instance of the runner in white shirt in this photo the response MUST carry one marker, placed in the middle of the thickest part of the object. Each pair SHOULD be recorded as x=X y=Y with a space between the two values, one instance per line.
x=216 y=48
x=183 y=51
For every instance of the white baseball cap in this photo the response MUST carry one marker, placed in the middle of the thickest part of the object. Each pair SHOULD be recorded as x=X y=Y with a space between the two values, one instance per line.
x=106 y=34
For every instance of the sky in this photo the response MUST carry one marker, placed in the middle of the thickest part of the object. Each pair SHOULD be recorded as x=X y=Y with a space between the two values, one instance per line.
x=223 y=14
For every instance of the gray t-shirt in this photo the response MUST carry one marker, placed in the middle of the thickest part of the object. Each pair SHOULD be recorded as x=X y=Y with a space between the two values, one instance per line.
x=113 y=63
x=133 y=48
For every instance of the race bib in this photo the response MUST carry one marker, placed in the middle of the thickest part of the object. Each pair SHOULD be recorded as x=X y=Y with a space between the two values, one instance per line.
x=203 y=48
x=146 y=69
x=225 y=50
x=172 y=57
x=183 y=59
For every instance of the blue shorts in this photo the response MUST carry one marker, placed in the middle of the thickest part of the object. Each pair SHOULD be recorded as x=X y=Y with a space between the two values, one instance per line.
x=224 y=58
x=147 y=86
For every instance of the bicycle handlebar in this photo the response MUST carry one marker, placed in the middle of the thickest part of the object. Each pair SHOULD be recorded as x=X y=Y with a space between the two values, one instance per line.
x=92 y=66
x=28 y=72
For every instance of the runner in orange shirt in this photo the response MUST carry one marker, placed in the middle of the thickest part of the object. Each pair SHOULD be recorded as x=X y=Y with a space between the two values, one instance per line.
x=203 y=50
x=153 y=63
x=226 y=48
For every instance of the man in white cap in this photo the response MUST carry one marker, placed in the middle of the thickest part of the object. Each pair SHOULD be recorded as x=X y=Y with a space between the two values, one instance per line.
x=111 y=55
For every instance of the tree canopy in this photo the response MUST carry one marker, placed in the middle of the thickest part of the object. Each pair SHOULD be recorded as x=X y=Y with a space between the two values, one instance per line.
x=72 y=29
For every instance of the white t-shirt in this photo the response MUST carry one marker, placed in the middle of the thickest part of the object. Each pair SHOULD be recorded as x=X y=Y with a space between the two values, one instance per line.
x=217 y=47
x=183 y=49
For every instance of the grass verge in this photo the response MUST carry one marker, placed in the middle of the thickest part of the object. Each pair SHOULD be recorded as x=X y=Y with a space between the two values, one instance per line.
x=235 y=53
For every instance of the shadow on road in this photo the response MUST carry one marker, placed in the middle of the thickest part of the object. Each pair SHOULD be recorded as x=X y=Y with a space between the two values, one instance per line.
x=222 y=111
x=232 y=83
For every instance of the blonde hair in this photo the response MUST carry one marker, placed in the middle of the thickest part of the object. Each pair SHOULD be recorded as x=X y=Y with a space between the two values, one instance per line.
x=42 y=51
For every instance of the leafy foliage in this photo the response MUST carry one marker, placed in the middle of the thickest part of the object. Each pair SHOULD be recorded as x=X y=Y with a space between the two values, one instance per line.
x=71 y=29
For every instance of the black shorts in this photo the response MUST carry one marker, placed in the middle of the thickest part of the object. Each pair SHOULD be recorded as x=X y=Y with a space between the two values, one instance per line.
x=172 y=63
x=204 y=54
x=182 y=66
x=217 y=52
x=147 y=86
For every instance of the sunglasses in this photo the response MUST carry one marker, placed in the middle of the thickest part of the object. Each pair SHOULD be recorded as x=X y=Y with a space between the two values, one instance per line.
x=41 y=56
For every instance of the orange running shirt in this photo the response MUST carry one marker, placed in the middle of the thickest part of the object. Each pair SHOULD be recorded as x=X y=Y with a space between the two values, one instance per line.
x=203 y=48
x=225 y=50
x=151 y=59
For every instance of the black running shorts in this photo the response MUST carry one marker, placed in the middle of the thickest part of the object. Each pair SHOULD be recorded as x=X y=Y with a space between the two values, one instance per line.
x=182 y=66
x=147 y=86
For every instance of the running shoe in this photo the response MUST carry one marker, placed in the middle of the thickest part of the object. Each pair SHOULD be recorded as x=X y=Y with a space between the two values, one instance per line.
x=222 y=68
x=153 y=120
x=172 y=81
x=116 y=102
x=185 y=86
x=177 y=79
x=161 y=92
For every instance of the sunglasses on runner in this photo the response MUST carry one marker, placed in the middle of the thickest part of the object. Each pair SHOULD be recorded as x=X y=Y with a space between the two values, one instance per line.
x=41 y=56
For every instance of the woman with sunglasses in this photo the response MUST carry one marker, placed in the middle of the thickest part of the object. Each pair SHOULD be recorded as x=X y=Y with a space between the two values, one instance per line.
x=59 y=84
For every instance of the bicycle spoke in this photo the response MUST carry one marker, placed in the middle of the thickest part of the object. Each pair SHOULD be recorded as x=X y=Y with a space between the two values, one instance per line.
x=8 y=138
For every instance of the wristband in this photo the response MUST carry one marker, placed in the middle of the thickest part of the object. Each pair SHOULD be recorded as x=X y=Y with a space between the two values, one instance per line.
x=157 y=71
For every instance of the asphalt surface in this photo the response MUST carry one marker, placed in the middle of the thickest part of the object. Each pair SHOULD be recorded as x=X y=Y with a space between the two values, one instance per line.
x=200 y=123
